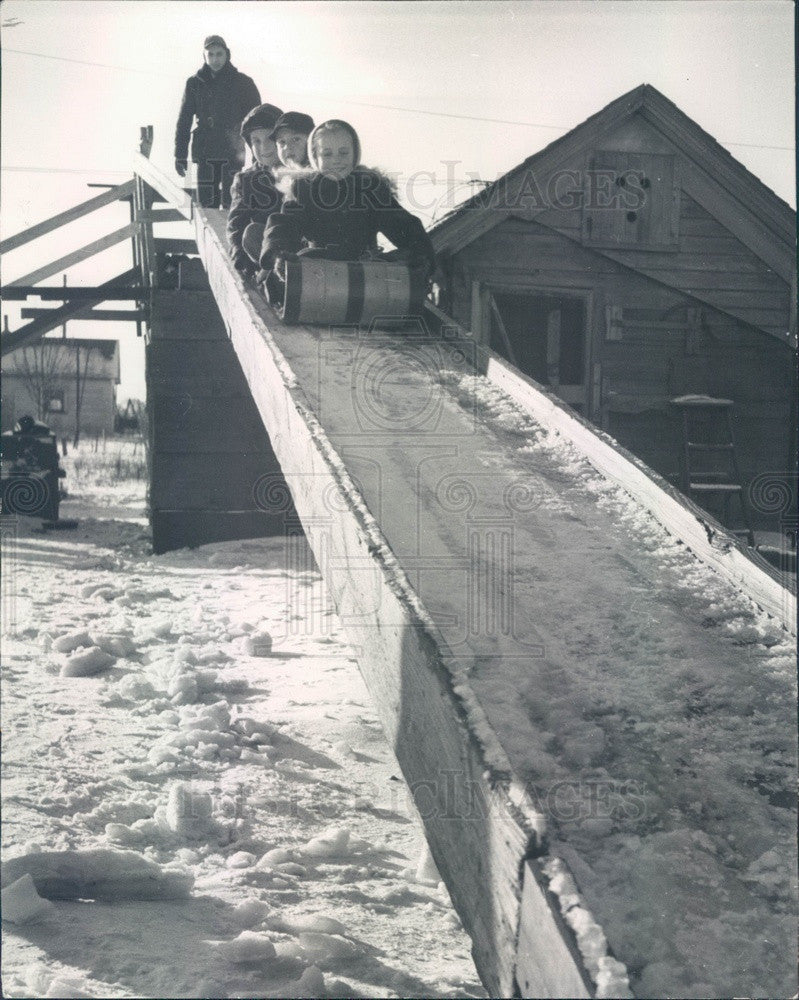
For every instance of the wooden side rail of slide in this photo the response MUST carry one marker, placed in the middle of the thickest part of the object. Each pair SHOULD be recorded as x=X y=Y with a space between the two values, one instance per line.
x=707 y=538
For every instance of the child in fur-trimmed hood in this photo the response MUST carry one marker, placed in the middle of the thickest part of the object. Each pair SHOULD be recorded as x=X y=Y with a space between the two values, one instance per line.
x=336 y=208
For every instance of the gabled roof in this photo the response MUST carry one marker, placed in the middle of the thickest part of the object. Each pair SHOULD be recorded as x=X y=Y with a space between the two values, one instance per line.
x=101 y=356
x=744 y=204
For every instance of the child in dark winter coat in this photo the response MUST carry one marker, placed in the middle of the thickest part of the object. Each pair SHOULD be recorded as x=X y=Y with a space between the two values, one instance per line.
x=218 y=96
x=336 y=209
x=291 y=138
x=254 y=195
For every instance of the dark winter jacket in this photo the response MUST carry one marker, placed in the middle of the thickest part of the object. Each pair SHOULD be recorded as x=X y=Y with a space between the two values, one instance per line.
x=254 y=198
x=219 y=103
x=344 y=217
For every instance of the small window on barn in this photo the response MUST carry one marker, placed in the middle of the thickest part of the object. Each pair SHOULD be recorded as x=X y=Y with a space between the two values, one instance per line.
x=55 y=401
x=631 y=202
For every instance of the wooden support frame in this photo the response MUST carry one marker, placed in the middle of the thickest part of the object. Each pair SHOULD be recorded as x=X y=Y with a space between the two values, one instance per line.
x=76 y=257
x=36 y=329
x=116 y=193
x=105 y=315
x=65 y=293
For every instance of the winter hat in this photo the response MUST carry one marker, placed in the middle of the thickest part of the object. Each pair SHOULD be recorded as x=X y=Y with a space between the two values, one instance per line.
x=264 y=116
x=332 y=125
x=213 y=40
x=295 y=120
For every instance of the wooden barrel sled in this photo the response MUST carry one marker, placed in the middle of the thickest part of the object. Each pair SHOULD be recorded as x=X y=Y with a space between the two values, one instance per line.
x=340 y=292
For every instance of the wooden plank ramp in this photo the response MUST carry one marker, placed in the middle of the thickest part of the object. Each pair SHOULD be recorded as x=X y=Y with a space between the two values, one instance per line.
x=481 y=824
x=431 y=547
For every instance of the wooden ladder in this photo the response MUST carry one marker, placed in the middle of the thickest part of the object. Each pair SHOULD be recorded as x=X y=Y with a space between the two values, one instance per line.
x=707 y=431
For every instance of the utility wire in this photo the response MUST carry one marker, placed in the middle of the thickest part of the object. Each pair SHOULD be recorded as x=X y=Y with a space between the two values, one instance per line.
x=368 y=104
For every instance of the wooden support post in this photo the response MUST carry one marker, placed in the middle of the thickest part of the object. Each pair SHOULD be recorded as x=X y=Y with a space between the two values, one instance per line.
x=503 y=333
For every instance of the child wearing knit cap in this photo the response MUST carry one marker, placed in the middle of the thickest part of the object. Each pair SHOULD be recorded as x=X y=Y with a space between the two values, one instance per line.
x=290 y=134
x=336 y=209
x=254 y=195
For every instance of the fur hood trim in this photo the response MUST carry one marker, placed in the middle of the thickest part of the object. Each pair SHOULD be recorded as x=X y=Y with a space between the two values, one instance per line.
x=286 y=177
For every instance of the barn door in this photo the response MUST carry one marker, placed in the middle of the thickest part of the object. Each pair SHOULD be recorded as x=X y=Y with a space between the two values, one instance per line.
x=543 y=335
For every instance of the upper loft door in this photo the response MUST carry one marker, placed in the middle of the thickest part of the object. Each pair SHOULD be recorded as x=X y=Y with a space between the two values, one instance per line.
x=544 y=336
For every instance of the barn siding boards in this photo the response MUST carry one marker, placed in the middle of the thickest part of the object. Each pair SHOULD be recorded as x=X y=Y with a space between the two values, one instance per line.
x=724 y=211
x=209 y=449
x=654 y=357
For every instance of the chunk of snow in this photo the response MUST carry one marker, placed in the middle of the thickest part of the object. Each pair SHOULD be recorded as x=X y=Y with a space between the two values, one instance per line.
x=426 y=871
x=135 y=688
x=157 y=629
x=277 y=856
x=250 y=912
x=249 y=946
x=20 y=903
x=326 y=947
x=590 y=938
x=241 y=859
x=71 y=641
x=611 y=980
x=258 y=644
x=292 y=868
x=108 y=592
x=332 y=843
x=116 y=645
x=310 y=984
x=188 y=811
x=182 y=689
x=120 y=833
x=87 y=662
x=97 y=874
x=317 y=922
x=67 y=988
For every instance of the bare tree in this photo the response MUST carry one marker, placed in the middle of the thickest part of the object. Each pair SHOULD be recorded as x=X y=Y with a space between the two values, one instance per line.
x=43 y=367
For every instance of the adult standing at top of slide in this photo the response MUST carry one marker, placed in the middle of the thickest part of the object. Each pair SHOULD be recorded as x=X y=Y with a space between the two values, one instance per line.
x=218 y=97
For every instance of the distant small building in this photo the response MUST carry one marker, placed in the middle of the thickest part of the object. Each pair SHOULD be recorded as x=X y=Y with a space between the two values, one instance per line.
x=631 y=261
x=62 y=381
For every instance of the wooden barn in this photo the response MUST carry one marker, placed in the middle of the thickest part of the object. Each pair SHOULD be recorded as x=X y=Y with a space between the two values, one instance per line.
x=631 y=262
x=65 y=382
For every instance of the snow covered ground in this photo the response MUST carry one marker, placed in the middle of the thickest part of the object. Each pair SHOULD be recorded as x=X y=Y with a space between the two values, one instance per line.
x=193 y=773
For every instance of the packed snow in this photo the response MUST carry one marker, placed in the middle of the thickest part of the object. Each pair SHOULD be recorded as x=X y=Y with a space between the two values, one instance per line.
x=657 y=733
x=646 y=706
x=197 y=796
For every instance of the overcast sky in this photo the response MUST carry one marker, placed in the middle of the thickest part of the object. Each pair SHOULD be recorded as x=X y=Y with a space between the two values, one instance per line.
x=420 y=81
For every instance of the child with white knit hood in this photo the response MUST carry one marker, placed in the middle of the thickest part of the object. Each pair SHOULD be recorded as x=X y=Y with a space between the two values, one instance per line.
x=336 y=208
